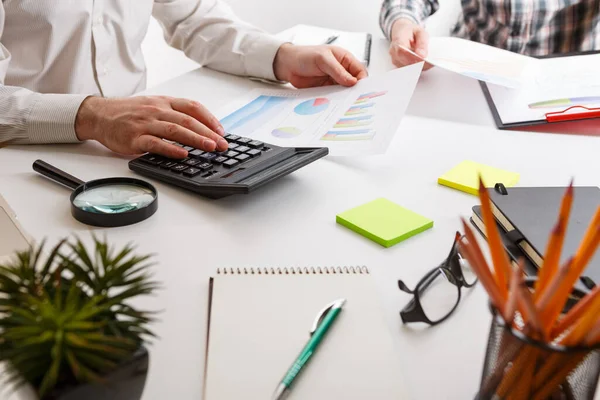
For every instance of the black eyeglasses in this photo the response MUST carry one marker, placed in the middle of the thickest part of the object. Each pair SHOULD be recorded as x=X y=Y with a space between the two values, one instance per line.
x=437 y=295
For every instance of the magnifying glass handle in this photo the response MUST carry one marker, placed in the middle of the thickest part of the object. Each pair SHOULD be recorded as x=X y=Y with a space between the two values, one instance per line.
x=56 y=174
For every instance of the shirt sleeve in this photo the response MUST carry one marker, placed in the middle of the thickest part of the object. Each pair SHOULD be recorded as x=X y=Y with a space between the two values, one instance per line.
x=414 y=10
x=27 y=117
x=209 y=33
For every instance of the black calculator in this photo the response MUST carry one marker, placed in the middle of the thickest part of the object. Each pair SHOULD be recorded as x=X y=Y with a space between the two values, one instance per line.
x=247 y=165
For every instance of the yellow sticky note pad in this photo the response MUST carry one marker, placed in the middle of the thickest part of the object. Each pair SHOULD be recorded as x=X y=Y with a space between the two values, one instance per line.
x=465 y=177
x=384 y=222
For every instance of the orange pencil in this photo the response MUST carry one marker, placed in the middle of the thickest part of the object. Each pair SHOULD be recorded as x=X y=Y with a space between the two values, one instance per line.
x=551 y=385
x=511 y=303
x=545 y=302
x=483 y=272
x=582 y=257
x=500 y=259
x=514 y=373
x=477 y=253
x=575 y=313
x=583 y=325
x=530 y=313
x=593 y=335
x=555 y=244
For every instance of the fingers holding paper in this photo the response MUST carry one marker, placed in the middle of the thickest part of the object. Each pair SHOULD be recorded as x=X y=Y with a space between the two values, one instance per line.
x=312 y=66
x=410 y=43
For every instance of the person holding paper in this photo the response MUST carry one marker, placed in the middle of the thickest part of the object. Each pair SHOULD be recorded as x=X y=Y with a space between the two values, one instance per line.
x=530 y=27
x=68 y=67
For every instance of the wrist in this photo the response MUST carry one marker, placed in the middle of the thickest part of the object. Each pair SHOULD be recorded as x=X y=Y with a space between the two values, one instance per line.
x=282 y=61
x=86 y=119
x=401 y=25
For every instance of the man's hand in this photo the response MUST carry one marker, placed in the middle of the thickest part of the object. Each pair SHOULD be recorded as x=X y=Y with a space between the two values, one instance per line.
x=138 y=124
x=408 y=35
x=310 y=66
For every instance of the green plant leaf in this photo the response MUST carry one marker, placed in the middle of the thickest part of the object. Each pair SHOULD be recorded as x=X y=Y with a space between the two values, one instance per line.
x=51 y=257
x=50 y=378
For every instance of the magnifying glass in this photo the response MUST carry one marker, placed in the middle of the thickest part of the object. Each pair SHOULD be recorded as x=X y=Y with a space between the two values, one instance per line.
x=105 y=202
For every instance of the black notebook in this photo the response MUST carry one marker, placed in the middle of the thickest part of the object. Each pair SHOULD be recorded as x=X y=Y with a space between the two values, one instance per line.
x=512 y=249
x=528 y=215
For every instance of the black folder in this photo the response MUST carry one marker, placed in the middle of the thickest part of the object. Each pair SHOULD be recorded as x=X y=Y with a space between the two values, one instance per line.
x=527 y=216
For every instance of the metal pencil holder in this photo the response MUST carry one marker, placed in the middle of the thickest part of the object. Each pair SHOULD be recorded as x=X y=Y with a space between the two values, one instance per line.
x=518 y=367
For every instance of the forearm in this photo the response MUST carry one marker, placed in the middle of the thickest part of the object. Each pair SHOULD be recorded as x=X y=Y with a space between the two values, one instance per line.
x=27 y=117
x=210 y=34
x=414 y=10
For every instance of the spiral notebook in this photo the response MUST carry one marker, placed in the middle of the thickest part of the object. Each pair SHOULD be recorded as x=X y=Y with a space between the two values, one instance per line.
x=259 y=320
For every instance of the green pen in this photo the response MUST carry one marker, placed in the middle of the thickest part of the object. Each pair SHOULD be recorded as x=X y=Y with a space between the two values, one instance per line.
x=319 y=329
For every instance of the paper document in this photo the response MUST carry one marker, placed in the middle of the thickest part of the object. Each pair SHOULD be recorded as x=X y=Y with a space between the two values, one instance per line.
x=349 y=121
x=523 y=88
x=562 y=82
x=479 y=61
x=357 y=43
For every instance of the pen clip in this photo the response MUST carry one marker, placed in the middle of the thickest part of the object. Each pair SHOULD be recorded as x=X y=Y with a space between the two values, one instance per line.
x=324 y=312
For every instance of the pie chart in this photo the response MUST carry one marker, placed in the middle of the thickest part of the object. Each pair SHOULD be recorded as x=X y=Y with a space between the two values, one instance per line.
x=312 y=106
x=286 y=132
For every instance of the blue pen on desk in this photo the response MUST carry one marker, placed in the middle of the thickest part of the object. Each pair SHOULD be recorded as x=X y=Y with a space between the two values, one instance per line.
x=320 y=327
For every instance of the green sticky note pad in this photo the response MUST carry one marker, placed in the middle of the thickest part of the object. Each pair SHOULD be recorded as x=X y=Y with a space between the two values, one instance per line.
x=384 y=222
x=465 y=177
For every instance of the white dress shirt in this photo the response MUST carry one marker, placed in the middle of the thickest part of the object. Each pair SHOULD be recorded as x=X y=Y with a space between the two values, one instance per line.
x=54 y=53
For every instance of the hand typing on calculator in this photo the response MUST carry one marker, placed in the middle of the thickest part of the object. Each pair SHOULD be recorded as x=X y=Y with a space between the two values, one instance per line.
x=138 y=125
x=247 y=164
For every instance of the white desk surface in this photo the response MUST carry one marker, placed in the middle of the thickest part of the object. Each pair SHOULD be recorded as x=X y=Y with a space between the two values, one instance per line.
x=292 y=222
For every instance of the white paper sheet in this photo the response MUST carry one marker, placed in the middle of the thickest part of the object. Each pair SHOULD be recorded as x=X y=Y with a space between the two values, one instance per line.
x=481 y=62
x=349 y=121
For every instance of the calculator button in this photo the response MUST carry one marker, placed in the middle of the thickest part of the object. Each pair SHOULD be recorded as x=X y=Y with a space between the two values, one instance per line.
x=177 y=144
x=244 y=140
x=179 y=168
x=168 y=164
x=231 y=153
x=192 y=162
x=204 y=166
x=232 y=138
x=195 y=153
x=151 y=159
x=242 y=157
x=242 y=149
x=253 y=153
x=220 y=160
x=188 y=148
x=192 y=171
x=208 y=156
x=232 y=146
x=231 y=163
x=256 y=144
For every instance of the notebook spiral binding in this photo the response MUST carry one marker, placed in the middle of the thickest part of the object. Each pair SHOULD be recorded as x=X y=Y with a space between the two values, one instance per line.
x=293 y=271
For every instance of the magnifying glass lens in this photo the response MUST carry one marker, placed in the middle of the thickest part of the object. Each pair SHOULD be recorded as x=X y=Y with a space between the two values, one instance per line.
x=114 y=199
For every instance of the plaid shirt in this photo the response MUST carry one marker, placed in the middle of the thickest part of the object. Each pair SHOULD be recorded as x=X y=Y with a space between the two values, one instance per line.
x=532 y=27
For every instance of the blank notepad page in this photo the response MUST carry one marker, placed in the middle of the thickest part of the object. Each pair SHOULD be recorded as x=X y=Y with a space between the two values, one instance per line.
x=260 y=323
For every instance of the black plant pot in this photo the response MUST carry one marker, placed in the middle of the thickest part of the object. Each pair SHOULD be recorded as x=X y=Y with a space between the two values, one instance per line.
x=125 y=383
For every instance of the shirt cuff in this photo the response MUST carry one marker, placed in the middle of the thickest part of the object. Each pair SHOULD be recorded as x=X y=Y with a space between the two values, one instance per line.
x=52 y=118
x=259 y=59
x=395 y=16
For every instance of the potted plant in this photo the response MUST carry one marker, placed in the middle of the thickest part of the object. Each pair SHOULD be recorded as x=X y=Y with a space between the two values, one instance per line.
x=68 y=329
